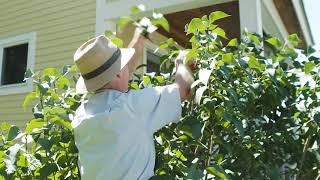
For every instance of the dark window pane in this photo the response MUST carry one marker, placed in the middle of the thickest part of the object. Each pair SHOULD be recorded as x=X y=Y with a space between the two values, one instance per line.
x=153 y=62
x=14 y=64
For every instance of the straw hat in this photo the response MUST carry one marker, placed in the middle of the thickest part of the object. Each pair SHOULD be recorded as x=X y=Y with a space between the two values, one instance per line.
x=98 y=61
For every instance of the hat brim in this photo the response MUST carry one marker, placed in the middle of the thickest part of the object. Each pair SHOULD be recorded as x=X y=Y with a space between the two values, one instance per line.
x=82 y=85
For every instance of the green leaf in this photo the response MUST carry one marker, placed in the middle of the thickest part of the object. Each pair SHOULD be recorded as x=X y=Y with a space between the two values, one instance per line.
x=63 y=83
x=234 y=95
x=29 y=97
x=164 y=45
x=2 y=153
x=109 y=33
x=217 y=171
x=160 y=79
x=43 y=88
x=13 y=133
x=137 y=9
x=34 y=123
x=217 y=15
x=274 y=42
x=5 y=126
x=194 y=25
x=194 y=173
x=317 y=118
x=51 y=72
x=185 y=129
x=275 y=173
x=66 y=69
x=117 y=41
x=62 y=122
x=28 y=74
x=220 y=32
x=161 y=22
x=291 y=52
x=22 y=161
x=73 y=68
x=309 y=50
x=162 y=177
x=55 y=110
x=47 y=169
x=254 y=38
x=219 y=111
x=205 y=21
x=294 y=40
x=192 y=54
x=238 y=125
x=254 y=63
x=123 y=21
x=233 y=43
x=196 y=128
x=146 y=80
x=183 y=138
x=134 y=86
x=228 y=58
x=179 y=155
x=308 y=67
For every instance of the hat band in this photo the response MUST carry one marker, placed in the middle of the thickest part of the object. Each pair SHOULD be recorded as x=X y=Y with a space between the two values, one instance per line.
x=103 y=67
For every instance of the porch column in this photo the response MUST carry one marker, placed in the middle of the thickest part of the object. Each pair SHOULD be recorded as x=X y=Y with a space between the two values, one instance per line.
x=250 y=16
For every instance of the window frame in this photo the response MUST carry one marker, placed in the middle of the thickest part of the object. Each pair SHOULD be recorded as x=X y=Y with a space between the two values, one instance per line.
x=29 y=38
x=151 y=47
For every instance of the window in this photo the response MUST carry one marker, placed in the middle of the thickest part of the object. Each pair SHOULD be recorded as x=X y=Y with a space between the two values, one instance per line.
x=152 y=58
x=16 y=56
x=14 y=64
x=153 y=62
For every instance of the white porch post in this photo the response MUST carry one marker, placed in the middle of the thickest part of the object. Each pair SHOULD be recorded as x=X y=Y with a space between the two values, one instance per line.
x=250 y=16
x=101 y=23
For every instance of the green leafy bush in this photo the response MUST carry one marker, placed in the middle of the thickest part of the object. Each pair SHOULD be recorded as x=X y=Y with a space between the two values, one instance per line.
x=254 y=114
x=46 y=148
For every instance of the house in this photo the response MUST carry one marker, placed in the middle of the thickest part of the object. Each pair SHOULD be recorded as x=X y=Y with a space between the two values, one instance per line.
x=44 y=33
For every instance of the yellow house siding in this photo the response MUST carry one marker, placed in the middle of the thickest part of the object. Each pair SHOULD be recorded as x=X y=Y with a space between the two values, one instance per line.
x=61 y=26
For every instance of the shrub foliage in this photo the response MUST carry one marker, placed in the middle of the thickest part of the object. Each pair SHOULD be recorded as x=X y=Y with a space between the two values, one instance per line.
x=255 y=113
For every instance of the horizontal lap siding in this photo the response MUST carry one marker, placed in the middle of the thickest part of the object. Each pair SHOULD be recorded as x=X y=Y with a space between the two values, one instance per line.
x=61 y=27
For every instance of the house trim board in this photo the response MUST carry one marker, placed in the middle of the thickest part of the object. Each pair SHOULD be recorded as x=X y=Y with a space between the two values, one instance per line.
x=299 y=9
x=107 y=11
x=272 y=17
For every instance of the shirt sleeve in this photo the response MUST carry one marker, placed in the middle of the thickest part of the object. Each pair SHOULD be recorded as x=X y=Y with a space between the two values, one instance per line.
x=156 y=106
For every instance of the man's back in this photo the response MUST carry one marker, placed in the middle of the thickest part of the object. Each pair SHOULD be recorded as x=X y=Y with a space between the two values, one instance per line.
x=114 y=131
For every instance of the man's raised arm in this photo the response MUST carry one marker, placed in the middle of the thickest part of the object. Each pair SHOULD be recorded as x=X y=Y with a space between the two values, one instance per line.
x=184 y=77
x=137 y=43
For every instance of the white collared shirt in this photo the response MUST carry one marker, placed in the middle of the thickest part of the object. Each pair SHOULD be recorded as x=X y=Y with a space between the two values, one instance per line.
x=114 y=131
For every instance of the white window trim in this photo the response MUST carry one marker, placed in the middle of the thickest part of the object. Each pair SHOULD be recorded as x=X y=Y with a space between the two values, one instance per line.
x=29 y=38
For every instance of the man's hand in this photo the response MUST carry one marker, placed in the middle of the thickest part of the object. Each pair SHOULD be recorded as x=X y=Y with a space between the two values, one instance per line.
x=138 y=43
x=184 y=77
x=181 y=59
x=137 y=38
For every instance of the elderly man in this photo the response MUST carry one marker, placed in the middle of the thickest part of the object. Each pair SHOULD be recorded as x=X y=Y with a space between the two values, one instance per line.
x=114 y=128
